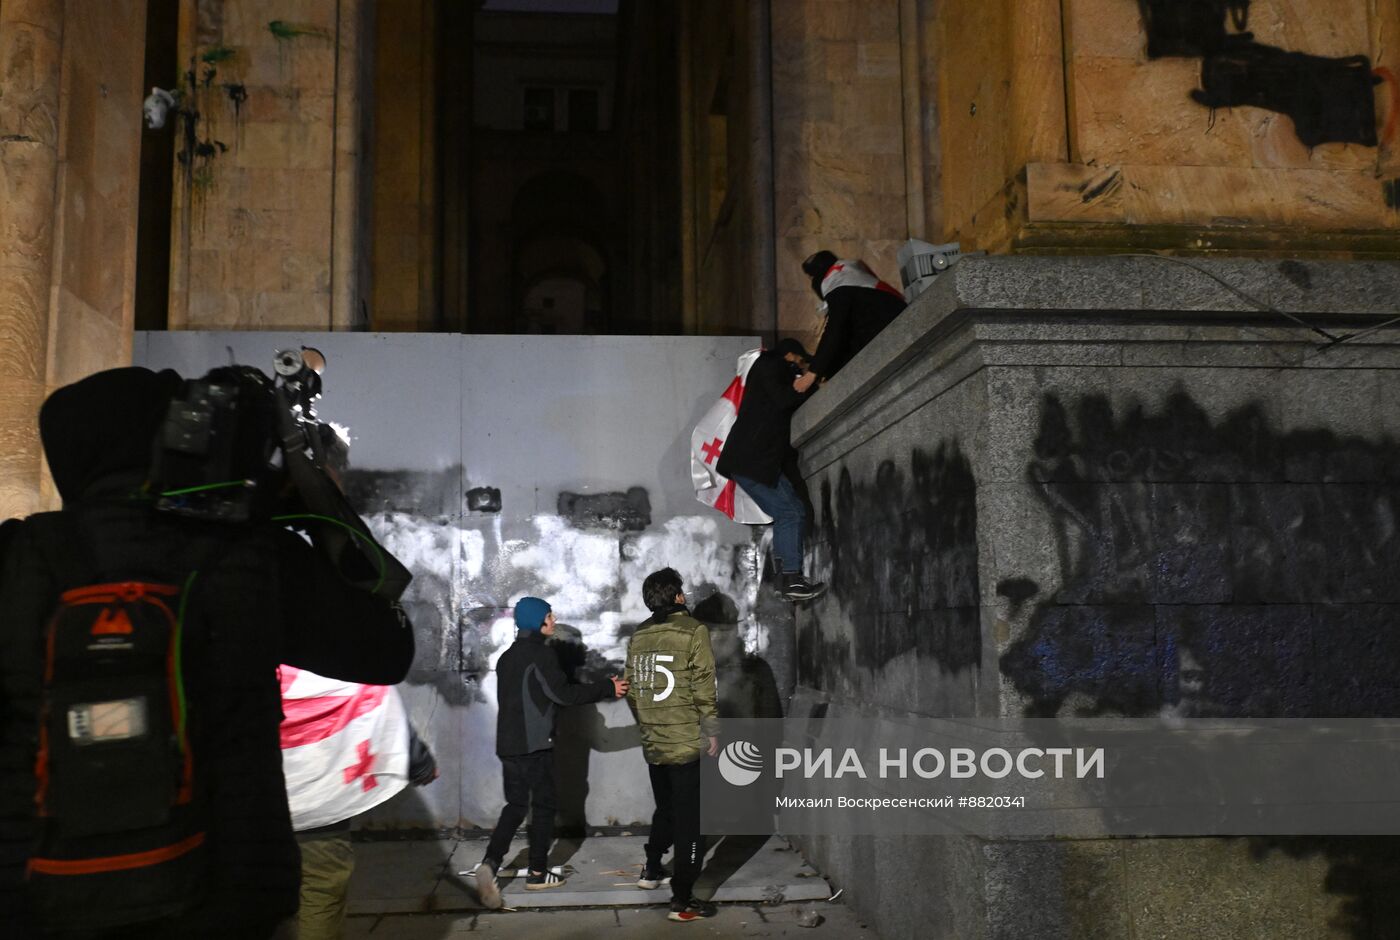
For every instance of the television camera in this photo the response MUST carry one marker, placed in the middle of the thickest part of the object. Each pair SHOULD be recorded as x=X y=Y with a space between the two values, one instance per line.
x=240 y=446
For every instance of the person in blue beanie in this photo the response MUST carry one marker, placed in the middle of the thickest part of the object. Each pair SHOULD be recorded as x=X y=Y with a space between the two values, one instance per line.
x=530 y=686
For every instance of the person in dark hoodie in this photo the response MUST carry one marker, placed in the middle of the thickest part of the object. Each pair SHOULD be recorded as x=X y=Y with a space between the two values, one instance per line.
x=858 y=306
x=758 y=456
x=530 y=686
x=255 y=595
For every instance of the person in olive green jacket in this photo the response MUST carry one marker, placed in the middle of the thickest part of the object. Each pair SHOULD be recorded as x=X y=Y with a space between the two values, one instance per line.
x=671 y=671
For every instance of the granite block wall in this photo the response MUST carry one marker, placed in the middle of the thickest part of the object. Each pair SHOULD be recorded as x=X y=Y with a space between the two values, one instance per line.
x=1110 y=487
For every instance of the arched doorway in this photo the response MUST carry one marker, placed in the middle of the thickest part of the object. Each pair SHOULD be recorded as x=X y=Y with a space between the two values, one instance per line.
x=563 y=285
x=507 y=130
x=565 y=240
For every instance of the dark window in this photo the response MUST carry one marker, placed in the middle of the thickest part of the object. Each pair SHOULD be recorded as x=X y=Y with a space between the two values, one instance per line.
x=583 y=110
x=539 y=109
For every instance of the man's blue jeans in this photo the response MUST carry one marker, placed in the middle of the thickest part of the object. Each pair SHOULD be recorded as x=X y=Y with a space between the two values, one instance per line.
x=789 y=518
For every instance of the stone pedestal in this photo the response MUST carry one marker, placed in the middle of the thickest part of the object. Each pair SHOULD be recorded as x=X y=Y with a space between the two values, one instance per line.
x=1129 y=486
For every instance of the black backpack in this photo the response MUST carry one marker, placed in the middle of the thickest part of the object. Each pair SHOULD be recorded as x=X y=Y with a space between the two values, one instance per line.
x=120 y=821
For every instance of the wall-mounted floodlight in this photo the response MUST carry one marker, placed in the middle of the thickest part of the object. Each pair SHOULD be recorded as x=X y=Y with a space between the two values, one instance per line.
x=920 y=263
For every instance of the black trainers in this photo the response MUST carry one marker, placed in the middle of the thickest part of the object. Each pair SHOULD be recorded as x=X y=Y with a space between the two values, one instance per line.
x=684 y=912
x=653 y=877
x=542 y=880
x=796 y=587
x=486 y=888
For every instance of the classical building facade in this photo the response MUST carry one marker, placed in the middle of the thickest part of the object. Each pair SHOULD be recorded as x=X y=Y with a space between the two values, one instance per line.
x=638 y=167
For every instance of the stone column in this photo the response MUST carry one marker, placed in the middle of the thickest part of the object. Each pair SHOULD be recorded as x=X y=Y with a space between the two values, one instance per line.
x=346 y=266
x=31 y=45
x=764 y=316
x=838 y=133
x=685 y=93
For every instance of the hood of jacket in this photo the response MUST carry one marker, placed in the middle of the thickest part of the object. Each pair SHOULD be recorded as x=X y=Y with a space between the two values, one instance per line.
x=102 y=429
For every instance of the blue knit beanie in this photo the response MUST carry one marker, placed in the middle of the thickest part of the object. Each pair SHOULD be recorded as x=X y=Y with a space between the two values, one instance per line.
x=530 y=613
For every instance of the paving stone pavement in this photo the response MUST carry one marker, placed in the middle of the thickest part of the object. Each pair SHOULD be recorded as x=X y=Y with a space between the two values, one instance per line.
x=423 y=890
x=434 y=876
x=630 y=923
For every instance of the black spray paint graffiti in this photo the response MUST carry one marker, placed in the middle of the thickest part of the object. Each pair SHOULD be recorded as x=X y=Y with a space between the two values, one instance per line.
x=420 y=492
x=1191 y=28
x=484 y=499
x=1330 y=100
x=902 y=551
x=470 y=560
x=623 y=512
x=1212 y=566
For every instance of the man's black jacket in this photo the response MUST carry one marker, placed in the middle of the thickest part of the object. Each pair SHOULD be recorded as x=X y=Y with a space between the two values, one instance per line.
x=854 y=316
x=530 y=685
x=760 y=442
x=262 y=597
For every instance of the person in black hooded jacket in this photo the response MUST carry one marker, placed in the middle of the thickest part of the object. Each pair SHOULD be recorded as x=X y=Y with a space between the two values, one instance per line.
x=263 y=596
x=858 y=307
x=759 y=457
x=530 y=685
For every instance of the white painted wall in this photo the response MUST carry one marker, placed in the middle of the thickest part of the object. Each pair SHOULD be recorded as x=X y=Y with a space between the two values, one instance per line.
x=532 y=416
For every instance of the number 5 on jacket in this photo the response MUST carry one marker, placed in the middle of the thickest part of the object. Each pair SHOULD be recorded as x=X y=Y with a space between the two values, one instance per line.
x=670 y=678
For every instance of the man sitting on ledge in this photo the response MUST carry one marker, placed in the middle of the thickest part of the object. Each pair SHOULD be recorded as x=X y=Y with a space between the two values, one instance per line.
x=858 y=306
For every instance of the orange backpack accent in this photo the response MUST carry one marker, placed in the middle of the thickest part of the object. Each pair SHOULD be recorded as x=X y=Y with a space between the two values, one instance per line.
x=121 y=829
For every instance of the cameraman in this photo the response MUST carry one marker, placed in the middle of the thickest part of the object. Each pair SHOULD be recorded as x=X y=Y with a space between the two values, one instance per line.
x=256 y=595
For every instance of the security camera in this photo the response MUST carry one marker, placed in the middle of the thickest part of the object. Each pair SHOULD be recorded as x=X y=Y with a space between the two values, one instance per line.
x=157 y=106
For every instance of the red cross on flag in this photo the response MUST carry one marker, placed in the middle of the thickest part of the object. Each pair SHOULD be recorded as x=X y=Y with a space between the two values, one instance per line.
x=344 y=746
x=706 y=444
x=854 y=273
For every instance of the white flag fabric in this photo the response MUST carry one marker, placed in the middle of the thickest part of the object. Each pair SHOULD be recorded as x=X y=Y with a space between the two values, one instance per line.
x=707 y=443
x=344 y=746
x=854 y=273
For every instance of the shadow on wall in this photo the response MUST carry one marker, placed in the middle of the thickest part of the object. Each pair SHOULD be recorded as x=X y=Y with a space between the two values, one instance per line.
x=747 y=689
x=579 y=731
x=899 y=551
x=1214 y=566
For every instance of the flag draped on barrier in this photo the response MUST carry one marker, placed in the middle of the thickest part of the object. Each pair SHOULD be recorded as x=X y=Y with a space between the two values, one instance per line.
x=707 y=443
x=344 y=746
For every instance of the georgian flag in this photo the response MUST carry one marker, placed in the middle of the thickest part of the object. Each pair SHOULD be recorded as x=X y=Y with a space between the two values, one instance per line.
x=344 y=746
x=706 y=444
x=854 y=273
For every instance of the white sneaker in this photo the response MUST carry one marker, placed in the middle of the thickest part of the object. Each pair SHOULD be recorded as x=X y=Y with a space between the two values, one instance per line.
x=653 y=878
x=486 y=887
